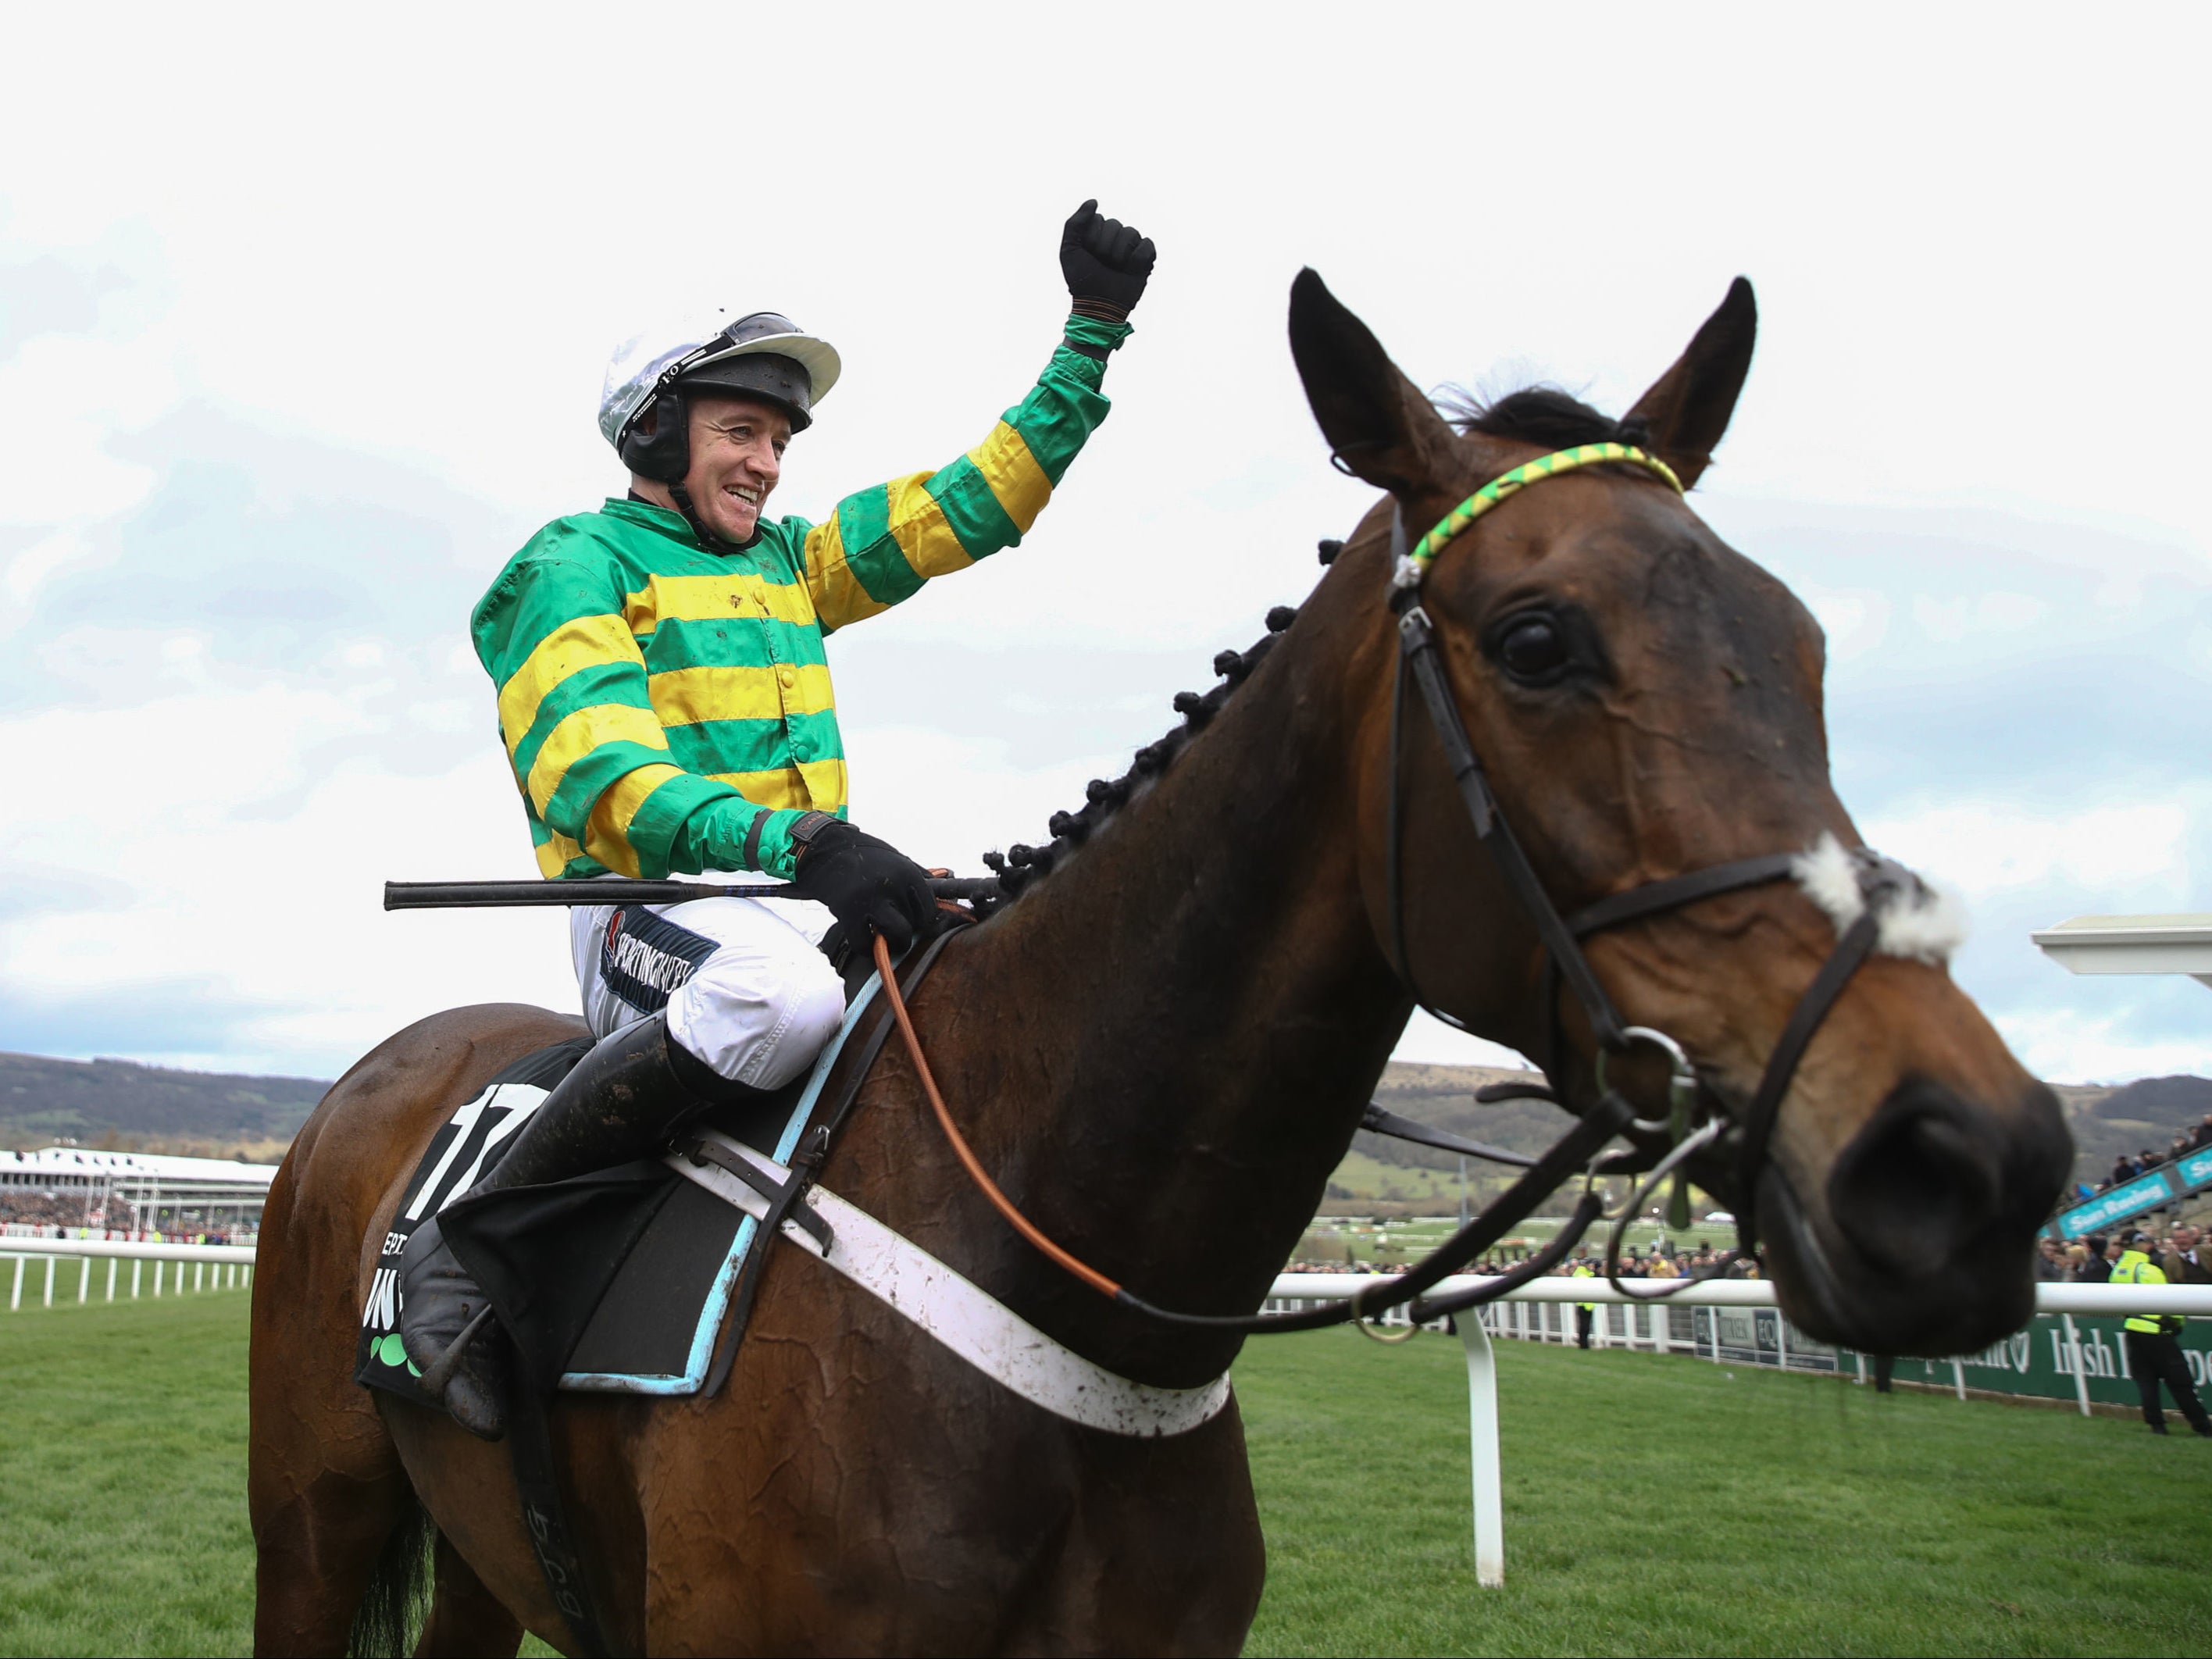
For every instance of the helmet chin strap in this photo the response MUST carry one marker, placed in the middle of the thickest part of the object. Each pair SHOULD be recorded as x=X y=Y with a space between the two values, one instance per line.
x=708 y=539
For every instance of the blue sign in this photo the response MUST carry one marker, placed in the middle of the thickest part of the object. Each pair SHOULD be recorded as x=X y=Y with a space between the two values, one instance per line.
x=2145 y=1191
x=2195 y=1167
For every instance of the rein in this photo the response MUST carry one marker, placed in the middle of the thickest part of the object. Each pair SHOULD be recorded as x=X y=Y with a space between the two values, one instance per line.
x=1420 y=660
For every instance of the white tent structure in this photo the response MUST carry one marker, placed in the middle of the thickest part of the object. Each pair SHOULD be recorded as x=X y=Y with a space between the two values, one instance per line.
x=2132 y=945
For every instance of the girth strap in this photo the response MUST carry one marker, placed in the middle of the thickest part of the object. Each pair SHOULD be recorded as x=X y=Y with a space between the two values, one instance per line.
x=544 y=1518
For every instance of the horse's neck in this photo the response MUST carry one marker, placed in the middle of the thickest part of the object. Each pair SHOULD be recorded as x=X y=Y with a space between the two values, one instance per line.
x=1187 y=1016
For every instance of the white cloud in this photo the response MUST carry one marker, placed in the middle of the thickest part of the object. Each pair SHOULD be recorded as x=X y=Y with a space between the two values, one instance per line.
x=2069 y=1045
x=418 y=284
x=28 y=570
x=1984 y=847
x=1949 y=619
x=1854 y=620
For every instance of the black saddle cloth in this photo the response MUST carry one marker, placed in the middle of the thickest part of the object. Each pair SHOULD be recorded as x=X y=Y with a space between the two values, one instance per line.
x=613 y=1281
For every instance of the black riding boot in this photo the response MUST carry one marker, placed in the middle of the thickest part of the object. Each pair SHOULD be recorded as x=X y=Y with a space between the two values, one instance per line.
x=624 y=1100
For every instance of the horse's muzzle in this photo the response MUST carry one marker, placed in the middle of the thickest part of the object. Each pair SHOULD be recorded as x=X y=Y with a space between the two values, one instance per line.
x=1924 y=1241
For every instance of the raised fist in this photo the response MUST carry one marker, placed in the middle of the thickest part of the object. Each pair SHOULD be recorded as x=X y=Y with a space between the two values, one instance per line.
x=1106 y=263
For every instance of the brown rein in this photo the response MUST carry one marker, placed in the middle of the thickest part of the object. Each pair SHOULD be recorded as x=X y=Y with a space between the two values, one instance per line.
x=1607 y=1118
x=1020 y=1223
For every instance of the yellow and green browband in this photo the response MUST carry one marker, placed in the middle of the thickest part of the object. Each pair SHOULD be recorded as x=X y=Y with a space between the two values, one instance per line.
x=1512 y=483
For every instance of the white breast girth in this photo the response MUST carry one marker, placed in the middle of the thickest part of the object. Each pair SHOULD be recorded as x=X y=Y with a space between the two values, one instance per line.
x=977 y=1327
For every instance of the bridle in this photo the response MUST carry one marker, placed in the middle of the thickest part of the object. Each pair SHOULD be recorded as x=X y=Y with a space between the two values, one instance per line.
x=1882 y=884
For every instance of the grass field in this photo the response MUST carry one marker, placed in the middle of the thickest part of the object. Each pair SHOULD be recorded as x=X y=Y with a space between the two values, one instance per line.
x=1652 y=1505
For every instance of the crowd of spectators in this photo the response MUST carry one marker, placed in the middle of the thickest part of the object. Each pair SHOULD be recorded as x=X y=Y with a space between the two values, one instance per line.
x=1662 y=1260
x=2180 y=1251
x=65 y=1216
x=2126 y=1169
x=42 y=1209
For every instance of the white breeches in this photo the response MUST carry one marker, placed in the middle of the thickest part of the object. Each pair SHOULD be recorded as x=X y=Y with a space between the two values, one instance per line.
x=746 y=989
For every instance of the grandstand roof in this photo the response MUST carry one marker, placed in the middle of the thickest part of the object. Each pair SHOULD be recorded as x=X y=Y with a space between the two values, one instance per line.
x=85 y=1161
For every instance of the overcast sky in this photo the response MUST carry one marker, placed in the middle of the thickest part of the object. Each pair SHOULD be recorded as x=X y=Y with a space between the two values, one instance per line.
x=303 y=315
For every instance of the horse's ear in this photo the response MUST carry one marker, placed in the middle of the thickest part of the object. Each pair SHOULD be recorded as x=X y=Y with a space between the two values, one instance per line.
x=1374 y=418
x=1687 y=409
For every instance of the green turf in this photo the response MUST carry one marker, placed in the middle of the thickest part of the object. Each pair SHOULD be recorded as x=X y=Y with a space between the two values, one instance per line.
x=1667 y=1505
x=1652 y=1505
x=123 y=1476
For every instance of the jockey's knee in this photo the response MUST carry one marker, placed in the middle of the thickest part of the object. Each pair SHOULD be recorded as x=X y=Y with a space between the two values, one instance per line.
x=758 y=1023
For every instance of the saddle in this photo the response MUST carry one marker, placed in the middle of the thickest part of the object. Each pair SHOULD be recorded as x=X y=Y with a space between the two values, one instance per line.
x=618 y=1281
x=615 y=1282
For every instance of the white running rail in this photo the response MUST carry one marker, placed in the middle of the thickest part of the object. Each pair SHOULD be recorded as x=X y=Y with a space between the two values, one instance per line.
x=213 y=1267
x=2108 y=1300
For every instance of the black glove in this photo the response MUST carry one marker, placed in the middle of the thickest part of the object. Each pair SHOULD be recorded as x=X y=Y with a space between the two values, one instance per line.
x=868 y=885
x=1106 y=263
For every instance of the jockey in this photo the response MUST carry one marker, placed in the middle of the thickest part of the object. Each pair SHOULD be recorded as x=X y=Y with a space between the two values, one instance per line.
x=666 y=708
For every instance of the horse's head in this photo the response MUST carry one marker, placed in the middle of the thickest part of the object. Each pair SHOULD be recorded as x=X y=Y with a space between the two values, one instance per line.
x=1647 y=703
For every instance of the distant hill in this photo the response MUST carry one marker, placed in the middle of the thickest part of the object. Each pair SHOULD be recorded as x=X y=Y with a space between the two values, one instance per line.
x=2146 y=1113
x=2174 y=1100
x=1382 y=1176
x=118 y=1103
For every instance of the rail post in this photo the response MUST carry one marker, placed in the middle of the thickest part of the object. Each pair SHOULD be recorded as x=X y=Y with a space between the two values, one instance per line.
x=1484 y=1457
x=2074 y=1347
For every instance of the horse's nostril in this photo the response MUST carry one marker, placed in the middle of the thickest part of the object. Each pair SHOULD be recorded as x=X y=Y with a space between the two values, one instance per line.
x=1918 y=1183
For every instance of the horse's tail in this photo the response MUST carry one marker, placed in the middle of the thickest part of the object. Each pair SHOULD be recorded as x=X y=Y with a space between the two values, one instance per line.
x=398 y=1591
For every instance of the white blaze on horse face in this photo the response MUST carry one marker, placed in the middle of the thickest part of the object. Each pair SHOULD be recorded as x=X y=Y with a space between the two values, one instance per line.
x=1927 y=925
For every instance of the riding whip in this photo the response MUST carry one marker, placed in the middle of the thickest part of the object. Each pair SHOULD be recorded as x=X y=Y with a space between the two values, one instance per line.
x=504 y=895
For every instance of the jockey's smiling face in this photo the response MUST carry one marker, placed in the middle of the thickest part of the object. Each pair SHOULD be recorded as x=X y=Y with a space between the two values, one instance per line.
x=736 y=456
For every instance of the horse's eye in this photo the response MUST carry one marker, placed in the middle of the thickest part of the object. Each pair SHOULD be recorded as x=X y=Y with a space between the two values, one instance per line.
x=1533 y=649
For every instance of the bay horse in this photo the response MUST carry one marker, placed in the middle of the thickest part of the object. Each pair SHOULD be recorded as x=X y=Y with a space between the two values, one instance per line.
x=1161 y=1048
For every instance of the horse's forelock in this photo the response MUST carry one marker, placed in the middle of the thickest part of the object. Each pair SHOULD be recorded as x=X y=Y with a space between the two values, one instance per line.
x=1543 y=415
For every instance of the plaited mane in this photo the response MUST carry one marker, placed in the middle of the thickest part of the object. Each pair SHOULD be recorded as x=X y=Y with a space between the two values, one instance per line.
x=1020 y=866
x=1537 y=415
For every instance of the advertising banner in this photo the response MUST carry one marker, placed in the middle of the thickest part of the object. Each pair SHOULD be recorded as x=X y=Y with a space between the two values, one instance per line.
x=2035 y=1361
x=2161 y=1185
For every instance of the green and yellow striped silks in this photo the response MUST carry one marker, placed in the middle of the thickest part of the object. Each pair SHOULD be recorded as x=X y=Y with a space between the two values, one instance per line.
x=666 y=708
